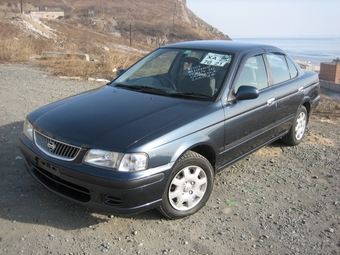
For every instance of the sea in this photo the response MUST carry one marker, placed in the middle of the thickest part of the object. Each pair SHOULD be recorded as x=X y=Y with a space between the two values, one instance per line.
x=310 y=50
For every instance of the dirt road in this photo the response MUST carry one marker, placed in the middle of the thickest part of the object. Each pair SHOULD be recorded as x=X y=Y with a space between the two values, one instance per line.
x=279 y=200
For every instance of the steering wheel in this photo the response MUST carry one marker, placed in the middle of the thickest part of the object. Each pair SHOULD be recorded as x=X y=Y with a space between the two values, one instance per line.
x=160 y=77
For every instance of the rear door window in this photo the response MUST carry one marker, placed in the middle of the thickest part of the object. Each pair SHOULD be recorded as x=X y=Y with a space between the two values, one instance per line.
x=278 y=66
x=292 y=69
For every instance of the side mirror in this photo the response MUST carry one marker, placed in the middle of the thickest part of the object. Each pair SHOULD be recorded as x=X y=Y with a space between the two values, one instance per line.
x=120 y=71
x=247 y=92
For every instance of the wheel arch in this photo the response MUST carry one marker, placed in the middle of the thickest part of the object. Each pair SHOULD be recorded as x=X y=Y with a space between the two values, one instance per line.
x=207 y=152
x=203 y=147
x=307 y=105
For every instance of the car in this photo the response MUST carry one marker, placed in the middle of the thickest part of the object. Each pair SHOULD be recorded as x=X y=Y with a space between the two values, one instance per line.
x=157 y=135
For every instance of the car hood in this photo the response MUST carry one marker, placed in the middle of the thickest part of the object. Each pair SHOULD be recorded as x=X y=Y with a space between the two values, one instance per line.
x=111 y=118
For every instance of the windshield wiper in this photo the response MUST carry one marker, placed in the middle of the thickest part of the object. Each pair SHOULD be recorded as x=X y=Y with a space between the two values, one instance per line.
x=190 y=95
x=145 y=89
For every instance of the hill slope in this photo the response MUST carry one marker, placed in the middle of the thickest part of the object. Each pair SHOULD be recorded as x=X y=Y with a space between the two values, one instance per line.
x=113 y=33
x=150 y=22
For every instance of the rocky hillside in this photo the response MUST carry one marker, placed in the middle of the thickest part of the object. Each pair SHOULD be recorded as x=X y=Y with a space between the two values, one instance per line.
x=112 y=34
x=148 y=23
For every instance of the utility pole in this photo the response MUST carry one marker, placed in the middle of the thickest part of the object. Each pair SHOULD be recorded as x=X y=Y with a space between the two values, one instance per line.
x=173 y=17
x=130 y=35
x=21 y=7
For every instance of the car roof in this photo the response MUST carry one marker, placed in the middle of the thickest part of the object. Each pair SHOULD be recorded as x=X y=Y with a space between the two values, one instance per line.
x=222 y=45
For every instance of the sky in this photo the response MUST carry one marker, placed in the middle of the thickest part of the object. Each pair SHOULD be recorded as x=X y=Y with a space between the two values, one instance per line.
x=270 y=18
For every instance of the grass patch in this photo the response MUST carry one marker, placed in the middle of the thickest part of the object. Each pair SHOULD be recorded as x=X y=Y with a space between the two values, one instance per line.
x=256 y=201
x=229 y=203
x=252 y=188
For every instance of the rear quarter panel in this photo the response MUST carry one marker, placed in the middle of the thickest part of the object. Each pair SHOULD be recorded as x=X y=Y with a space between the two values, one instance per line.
x=292 y=94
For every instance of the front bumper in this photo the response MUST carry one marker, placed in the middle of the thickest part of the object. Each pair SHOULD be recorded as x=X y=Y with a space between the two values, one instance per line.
x=116 y=192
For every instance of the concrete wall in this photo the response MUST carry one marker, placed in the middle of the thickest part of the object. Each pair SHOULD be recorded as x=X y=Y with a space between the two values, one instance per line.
x=47 y=14
x=330 y=72
x=65 y=55
x=330 y=85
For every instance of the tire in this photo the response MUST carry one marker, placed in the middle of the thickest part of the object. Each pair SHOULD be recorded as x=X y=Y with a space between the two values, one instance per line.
x=297 y=132
x=189 y=186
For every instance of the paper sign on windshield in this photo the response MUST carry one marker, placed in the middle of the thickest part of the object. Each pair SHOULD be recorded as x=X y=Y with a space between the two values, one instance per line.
x=214 y=59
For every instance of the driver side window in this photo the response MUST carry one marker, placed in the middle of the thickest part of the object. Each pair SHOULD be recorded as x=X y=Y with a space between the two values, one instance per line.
x=252 y=73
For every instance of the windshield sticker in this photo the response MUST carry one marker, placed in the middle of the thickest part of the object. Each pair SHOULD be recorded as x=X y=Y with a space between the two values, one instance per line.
x=186 y=52
x=214 y=59
x=198 y=72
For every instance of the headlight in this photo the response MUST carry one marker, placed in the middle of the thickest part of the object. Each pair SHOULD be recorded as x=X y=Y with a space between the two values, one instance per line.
x=122 y=162
x=103 y=158
x=134 y=162
x=28 y=129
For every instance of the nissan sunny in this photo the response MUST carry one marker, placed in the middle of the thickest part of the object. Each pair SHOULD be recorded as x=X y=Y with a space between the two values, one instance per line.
x=157 y=135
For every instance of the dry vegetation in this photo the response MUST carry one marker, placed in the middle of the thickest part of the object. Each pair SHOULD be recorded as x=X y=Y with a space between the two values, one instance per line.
x=151 y=23
x=75 y=67
x=16 y=46
x=328 y=108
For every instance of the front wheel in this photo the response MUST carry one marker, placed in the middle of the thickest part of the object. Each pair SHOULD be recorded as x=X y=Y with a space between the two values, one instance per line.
x=189 y=187
x=295 y=135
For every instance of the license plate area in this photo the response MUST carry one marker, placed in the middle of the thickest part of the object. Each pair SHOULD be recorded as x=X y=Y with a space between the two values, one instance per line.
x=48 y=167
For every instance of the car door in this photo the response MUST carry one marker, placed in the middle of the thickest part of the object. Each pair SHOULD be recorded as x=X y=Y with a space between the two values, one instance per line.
x=249 y=123
x=284 y=77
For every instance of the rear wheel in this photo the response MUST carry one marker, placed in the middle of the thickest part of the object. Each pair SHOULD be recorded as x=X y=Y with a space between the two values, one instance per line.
x=189 y=186
x=297 y=132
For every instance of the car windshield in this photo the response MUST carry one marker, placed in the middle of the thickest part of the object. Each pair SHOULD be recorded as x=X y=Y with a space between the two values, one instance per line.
x=185 y=73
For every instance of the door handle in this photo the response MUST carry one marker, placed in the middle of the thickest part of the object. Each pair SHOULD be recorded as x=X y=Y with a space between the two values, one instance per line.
x=300 y=89
x=270 y=101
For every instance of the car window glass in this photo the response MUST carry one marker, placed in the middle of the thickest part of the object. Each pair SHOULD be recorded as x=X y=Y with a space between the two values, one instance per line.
x=253 y=73
x=292 y=69
x=179 y=72
x=190 y=60
x=202 y=72
x=158 y=65
x=278 y=67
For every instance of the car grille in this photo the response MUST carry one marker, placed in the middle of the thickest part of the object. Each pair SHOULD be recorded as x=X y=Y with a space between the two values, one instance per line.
x=55 y=148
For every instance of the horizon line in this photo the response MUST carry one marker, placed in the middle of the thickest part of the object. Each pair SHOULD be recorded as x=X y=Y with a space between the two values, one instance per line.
x=285 y=37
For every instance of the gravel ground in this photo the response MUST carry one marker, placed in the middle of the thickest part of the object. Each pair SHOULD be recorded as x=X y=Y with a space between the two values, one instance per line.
x=279 y=200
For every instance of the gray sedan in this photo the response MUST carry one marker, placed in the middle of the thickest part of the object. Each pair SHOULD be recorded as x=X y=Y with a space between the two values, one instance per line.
x=156 y=136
